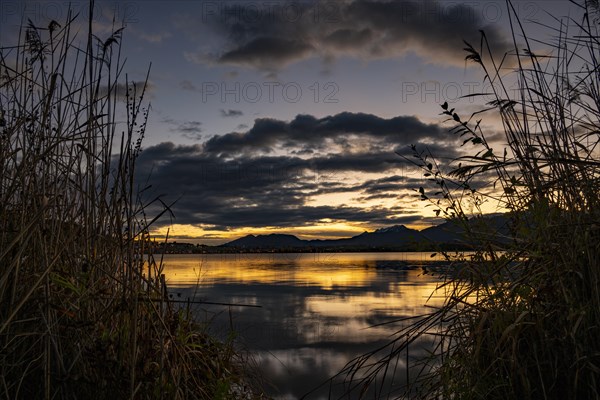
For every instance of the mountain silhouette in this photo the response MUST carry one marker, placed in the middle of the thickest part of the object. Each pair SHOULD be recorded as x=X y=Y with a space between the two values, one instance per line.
x=273 y=240
x=448 y=234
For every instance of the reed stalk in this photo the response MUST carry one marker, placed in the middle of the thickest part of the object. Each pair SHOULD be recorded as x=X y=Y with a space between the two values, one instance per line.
x=522 y=323
x=83 y=310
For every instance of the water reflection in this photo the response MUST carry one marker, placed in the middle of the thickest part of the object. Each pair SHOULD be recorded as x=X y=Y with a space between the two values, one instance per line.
x=317 y=311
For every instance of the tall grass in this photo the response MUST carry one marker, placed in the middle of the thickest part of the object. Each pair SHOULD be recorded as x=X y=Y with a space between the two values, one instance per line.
x=83 y=309
x=522 y=324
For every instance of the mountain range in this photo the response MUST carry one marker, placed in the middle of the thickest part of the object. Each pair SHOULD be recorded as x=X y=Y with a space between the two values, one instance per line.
x=398 y=237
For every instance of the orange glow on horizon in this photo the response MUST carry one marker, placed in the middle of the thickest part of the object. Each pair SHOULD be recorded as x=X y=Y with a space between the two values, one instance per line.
x=324 y=230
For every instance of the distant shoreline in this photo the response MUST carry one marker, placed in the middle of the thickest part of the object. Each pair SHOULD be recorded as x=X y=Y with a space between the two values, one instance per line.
x=189 y=248
x=449 y=236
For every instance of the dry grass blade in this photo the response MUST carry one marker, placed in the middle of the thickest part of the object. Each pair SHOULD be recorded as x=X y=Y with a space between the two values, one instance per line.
x=522 y=323
x=83 y=311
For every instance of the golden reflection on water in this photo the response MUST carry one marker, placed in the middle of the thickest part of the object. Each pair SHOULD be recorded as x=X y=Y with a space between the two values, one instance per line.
x=328 y=271
x=405 y=300
x=348 y=278
x=317 y=311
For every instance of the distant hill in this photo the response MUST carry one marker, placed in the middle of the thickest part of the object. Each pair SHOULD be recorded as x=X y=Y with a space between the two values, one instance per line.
x=493 y=228
x=393 y=236
x=271 y=241
x=397 y=237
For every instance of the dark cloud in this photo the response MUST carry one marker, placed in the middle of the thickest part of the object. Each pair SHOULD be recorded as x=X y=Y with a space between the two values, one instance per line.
x=231 y=113
x=262 y=136
x=188 y=129
x=388 y=184
x=267 y=38
x=256 y=191
x=244 y=179
x=349 y=38
x=271 y=52
x=378 y=196
x=309 y=133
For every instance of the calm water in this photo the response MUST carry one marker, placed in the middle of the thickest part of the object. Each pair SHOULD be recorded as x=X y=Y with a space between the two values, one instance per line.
x=316 y=310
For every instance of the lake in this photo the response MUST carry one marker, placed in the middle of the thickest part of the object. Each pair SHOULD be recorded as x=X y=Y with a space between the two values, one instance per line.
x=316 y=311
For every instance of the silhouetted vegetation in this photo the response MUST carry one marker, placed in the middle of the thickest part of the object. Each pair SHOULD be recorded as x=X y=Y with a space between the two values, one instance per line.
x=83 y=309
x=520 y=324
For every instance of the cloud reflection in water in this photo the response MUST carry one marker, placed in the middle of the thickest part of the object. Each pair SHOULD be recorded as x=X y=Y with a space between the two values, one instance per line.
x=317 y=310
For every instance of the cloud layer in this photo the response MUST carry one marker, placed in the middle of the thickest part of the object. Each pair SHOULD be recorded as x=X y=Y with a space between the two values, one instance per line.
x=270 y=36
x=274 y=173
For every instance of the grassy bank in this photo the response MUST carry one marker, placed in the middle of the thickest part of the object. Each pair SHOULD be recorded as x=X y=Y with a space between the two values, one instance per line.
x=83 y=310
x=524 y=324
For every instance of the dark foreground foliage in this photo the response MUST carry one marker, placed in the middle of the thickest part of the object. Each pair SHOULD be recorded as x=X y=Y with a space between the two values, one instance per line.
x=524 y=323
x=83 y=307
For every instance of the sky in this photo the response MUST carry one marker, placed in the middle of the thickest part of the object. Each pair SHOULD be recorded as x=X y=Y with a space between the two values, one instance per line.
x=291 y=116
